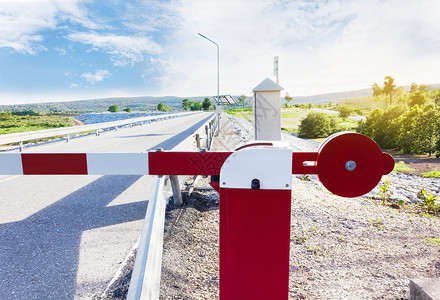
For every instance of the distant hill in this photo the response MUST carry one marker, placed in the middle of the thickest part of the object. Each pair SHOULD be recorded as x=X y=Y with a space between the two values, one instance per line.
x=149 y=103
x=321 y=98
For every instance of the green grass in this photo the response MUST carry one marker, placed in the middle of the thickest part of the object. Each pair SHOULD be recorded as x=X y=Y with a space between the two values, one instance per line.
x=13 y=124
x=432 y=174
x=402 y=168
x=347 y=124
x=289 y=130
x=292 y=113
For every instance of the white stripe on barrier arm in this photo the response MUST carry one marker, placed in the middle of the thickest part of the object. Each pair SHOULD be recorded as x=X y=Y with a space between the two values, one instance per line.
x=10 y=164
x=117 y=163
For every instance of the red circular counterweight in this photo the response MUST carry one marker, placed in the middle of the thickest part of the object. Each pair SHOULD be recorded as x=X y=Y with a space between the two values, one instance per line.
x=351 y=164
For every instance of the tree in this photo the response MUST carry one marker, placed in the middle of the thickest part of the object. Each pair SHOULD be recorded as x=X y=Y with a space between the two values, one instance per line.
x=428 y=128
x=410 y=136
x=417 y=98
x=377 y=90
x=424 y=88
x=113 y=108
x=196 y=105
x=389 y=87
x=186 y=104
x=345 y=111
x=128 y=109
x=162 y=107
x=288 y=98
x=414 y=87
x=383 y=126
x=242 y=100
x=435 y=96
x=400 y=94
x=206 y=104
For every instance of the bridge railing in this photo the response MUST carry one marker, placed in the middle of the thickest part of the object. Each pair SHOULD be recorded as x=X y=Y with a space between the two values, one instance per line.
x=21 y=137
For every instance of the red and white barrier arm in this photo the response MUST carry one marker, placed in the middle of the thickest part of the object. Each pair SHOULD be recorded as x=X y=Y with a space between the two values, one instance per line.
x=152 y=163
x=74 y=164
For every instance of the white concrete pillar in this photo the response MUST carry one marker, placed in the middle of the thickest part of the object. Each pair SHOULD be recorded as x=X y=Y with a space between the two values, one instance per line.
x=267 y=111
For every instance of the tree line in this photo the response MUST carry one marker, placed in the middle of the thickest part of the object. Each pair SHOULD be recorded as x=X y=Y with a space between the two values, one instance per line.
x=197 y=105
x=409 y=121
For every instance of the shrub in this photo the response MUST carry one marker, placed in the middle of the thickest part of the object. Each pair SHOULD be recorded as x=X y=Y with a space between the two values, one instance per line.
x=420 y=127
x=383 y=126
x=26 y=113
x=317 y=124
x=113 y=108
x=345 y=111
x=417 y=98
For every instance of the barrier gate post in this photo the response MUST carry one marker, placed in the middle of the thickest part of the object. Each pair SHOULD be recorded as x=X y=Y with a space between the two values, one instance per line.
x=255 y=193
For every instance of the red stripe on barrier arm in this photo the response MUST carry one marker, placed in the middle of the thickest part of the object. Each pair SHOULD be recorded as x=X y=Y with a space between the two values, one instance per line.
x=186 y=163
x=54 y=164
x=298 y=160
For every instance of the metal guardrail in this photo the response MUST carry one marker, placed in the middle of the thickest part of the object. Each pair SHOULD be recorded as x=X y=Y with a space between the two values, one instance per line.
x=39 y=134
x=145 y=283
x=145 y=279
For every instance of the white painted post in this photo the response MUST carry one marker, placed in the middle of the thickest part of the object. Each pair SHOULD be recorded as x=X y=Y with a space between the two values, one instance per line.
x=267 y=111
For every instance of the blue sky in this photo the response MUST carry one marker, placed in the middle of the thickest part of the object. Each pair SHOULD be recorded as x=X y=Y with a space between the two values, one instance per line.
x=73 y=49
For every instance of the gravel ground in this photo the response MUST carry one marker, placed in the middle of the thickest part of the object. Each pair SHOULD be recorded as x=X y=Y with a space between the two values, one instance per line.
x=340 y=248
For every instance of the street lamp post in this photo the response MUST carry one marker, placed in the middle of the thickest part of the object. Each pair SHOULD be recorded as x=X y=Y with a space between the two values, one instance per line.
x=218 y=77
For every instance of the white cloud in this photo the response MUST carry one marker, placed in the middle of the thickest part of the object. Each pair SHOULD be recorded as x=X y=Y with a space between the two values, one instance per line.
x=21 y=22
x=98 y=76
x=323 y=46
x=61 y=51
x=125 y=50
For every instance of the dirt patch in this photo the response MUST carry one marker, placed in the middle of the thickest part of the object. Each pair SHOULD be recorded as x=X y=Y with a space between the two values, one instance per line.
x=190 y=258
x=420 y=163
x=76 y=122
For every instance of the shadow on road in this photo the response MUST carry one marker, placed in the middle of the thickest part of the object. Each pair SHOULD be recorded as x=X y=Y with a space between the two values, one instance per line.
x=39 y=255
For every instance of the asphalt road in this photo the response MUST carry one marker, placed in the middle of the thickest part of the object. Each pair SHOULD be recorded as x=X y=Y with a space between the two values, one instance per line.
x=64 y=237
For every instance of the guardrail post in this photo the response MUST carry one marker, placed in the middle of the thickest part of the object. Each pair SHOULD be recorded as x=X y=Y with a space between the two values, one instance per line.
x=96 y=132
x=68 y=137
x=207 y=136
x=116 y=128
x=20 y=146
x=198 y=141
x=177 y=194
